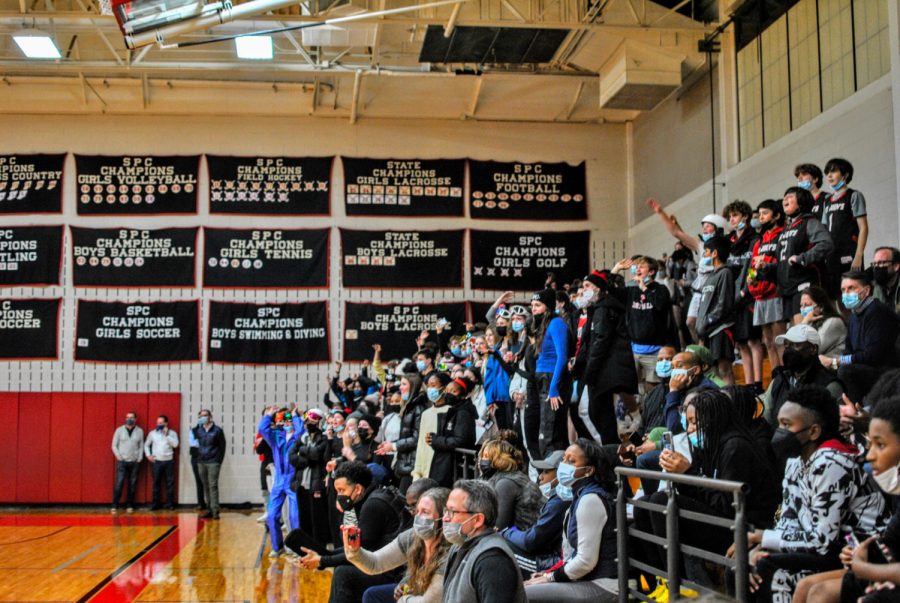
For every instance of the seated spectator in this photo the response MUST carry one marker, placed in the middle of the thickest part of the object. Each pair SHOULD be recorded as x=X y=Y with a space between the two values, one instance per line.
x=868 y=564
x=589 y=537
x=886 y=274
x=750 y=413
x=869 y=348
x=378 y=523
x=454 y=429
x=722 y=448
x=706 y=363
x=827 y=495
x=686 y=375
x=519 y=499
x=653 y=414
x=819 y=312
x=799 y=367
x=537 y=549
x=480 y=566
x=423 y=549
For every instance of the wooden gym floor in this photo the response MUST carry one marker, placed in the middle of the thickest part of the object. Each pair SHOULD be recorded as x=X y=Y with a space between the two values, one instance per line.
x=82 y=556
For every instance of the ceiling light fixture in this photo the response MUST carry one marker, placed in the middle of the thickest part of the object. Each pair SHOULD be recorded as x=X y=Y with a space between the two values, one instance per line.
x=36 y=44
x=254 y=47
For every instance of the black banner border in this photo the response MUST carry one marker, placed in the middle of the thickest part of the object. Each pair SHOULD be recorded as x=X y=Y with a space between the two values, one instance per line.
x=465 y=232
x=327 y=265
x=473 y=288
x=196 y=251
x=59 y=302
x=62 y=196
x=330 y=185
x=196 y=211
x=465 y=196
x=315 y=301
x=159 y=301
x=346 y=315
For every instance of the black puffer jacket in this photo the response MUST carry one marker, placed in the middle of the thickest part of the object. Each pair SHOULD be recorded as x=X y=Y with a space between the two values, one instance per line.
x=409 y=435
x=311 y=455
x=605 y=360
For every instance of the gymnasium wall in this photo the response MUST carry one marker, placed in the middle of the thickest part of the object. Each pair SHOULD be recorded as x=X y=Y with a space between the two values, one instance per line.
x=859 y=128
x=236 y=395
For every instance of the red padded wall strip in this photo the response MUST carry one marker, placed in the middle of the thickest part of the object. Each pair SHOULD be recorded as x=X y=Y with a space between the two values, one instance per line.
x=66 y=435
x=98 y=465
x=33 y=462
x=9 y=418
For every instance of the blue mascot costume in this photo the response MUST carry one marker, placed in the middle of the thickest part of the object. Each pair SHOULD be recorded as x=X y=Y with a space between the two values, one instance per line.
x=280 y=438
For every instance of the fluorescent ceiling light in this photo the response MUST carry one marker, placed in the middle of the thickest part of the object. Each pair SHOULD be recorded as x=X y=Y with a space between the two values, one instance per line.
x=36 y=44
x=254 y=47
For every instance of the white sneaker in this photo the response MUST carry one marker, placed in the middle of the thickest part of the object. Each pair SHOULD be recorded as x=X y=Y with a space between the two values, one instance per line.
x=262 y=518
x=274 y=554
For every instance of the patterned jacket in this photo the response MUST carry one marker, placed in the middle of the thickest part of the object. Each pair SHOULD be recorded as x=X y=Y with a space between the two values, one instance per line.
x=826 y=498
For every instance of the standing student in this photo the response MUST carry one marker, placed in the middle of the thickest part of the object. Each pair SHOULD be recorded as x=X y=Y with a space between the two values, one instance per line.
x=277 y=427
x=210 y=454
x=803 y=246
x=648 y=316
x=844 y=217
x=710 y=226
x=455 y=429
x=746 y=333
x=768 y=312
x=160 y=451
x=198 y=483
x=551 y=344
x=127 y=446
x=810 y=177
x=716 y=315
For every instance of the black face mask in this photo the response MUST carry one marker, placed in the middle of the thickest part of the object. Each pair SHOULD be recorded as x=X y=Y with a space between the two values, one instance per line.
x=450 y=399
x=395 y=408
x=786 y=444
x=794 y=360
x=882 y=275
x=487 y=469
x=346 y=503
x=363 y=433
x=312 y=427
x=501 y=331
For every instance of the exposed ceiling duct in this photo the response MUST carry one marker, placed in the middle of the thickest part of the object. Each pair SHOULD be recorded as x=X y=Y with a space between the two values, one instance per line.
x=638 y=77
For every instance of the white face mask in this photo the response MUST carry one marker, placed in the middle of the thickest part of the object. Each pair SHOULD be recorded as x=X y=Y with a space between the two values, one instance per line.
x=889 y=480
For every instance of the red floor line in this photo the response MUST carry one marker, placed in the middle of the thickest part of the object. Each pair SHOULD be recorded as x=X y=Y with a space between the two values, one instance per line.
x=93 y=520
x=125 y=587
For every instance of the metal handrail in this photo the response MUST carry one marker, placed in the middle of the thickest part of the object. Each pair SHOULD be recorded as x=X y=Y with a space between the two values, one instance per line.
x=671 y=542
x=464 y=464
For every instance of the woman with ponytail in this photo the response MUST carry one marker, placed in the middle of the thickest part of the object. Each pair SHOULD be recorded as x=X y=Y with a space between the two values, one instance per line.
x=554 y=384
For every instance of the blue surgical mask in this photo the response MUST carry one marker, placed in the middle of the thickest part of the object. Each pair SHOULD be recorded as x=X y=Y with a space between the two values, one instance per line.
x=456 y=351
x=646 y=279
x=838 y=186
x=634 y=270
x=565 y=474
x=706 y=260
x=468 y=364
x=557 y=310
x=741 y=226
x=664 y=368
x=547 y=489
x=129 y=422
x=357 y=392
x=705 y=237
x=804 y=310
x=288 y=427
x=339 y=429
x=420 y=365
x=406 y=396
x=696 y=441
x=518 y=327
x=160 y=427
x=850 y=300
x=684 y=424
x=564 y=493
x=678 y=372
x=434 y=394
x=203 y=420
x=805 y=184
x=755 y=224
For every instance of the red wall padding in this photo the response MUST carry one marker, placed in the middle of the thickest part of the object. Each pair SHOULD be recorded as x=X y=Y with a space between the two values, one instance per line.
x=66 y=435
x=33 y=458
x=98 y=465
x=9 y=418
x=59 y=447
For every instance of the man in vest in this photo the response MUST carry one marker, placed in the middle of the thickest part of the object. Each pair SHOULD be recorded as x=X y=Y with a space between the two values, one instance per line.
x=480 y=565
x=886 y=274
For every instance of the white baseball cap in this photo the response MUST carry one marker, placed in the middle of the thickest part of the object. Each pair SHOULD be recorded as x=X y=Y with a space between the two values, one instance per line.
x=799 y=334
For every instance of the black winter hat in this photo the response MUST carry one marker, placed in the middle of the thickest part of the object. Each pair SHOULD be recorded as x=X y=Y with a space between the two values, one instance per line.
x=546 y=297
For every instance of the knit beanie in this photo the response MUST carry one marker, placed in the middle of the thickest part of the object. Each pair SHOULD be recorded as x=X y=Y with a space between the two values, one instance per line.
x=546 y=297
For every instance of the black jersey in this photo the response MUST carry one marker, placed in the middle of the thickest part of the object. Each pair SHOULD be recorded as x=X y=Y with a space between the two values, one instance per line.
x=839 y=216
x=821 y=199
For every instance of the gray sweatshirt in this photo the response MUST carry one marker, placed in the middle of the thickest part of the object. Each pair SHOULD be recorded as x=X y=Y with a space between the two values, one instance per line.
x=161 y=447
x=716 y=303
x=129 y=448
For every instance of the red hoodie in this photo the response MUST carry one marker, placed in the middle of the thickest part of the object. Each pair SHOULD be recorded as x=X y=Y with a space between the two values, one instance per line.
x=766 y=247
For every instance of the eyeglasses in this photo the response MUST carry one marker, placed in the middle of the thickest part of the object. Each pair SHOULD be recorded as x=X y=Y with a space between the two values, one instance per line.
x=450 y=514
x=883 y=264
